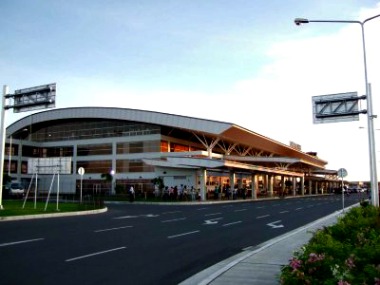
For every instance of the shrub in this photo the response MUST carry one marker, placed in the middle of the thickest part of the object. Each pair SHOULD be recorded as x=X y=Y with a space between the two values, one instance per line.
x=345 y=253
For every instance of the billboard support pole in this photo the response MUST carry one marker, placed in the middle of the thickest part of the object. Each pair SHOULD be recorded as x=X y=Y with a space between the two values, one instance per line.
x=2 y=148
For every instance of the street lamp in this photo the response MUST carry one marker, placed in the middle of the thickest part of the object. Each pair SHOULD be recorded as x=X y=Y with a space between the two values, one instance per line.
x=370 y=116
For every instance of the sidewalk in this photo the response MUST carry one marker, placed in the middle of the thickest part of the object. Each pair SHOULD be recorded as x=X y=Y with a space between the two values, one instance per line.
x=261 y=265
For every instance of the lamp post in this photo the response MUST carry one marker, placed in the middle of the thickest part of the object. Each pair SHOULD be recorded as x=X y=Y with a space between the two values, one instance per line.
x=370 y=116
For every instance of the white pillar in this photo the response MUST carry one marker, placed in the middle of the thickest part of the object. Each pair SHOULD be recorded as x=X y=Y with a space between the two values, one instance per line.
x=282 y=185
x=294 y=190
x=232 y=184
x=271 y=182
x=254 y=187
x=203 y=178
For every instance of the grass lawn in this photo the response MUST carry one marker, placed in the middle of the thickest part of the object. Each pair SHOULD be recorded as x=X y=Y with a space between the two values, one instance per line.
x=14 y=207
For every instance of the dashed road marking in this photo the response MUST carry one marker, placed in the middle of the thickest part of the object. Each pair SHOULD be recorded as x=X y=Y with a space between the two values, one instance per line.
x=94 y=254
x=112 y=229
x=183 y=234
x=20 y=242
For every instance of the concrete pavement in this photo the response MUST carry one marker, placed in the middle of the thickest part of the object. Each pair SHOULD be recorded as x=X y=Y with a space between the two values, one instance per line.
x=261 y=265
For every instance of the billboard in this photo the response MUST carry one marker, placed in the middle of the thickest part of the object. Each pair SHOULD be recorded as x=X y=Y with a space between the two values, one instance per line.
x=49 y=165
x=34 y=98
x=341 y=107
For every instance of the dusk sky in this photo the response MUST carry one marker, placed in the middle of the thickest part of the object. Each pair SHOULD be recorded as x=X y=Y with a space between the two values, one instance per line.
x=238 y=61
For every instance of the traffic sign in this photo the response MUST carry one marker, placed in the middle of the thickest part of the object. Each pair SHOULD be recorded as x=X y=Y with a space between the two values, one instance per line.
x=342 y=172
x=81 y=171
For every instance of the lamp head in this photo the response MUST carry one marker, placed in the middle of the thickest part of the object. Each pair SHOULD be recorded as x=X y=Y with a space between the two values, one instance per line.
x=299 y=21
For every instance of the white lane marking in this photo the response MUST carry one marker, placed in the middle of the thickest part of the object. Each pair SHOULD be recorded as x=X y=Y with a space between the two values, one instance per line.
x=202 y=209
x=261 y=207
x=283 y=212
x=184 y=234
x=227 y=206
x=20 y=242
x=172 y=212
x=112 y=229
x=125 y=217
x=173 y=220
x=240 y=210
x=133 y=217
x=213 y=214
x=261 y=217
x=210 y=222
x=94 y=254
x=299 y=209
x=274 y=224
x=230 y=224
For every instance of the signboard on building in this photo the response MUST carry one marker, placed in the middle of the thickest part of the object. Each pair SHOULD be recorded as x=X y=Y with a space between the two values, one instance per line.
x=295 y=145
x=333 y=108
x=49 y=165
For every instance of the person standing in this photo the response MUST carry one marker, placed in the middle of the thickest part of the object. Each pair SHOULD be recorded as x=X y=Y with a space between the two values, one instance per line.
x=131 y=194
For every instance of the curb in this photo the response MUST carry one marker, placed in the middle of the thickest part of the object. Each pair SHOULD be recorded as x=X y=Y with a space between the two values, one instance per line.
x=208 y=275
x=52 y=215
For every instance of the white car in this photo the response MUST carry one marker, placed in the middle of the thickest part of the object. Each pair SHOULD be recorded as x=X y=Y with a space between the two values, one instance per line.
x=16 y=188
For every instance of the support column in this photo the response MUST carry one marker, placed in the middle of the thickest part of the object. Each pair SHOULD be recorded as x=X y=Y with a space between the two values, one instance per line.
x=240 y=184
x=270 y=184
x=113 y=168
x=266 y=183
x=294 y=190
x=232 y=184
x=254 y=186
x=282 y=185
x=302 y=185
x=203 y=180
x=316 y=187
x=310 y=187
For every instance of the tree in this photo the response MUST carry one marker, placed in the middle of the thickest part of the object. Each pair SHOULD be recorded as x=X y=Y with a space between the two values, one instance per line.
x=107 y=177
x=159 y=182
x=6 y=178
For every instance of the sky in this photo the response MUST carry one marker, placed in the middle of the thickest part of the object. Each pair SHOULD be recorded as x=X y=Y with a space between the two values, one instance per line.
x=238 y=61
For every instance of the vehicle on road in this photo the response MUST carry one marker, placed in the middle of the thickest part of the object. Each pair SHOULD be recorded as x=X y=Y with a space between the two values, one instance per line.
x=15 y=188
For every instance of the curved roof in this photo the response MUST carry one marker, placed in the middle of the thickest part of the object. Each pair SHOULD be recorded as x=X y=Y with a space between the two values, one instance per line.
x=222 y=130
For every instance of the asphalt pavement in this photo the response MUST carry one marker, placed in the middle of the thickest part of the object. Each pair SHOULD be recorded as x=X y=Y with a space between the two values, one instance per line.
x=261 y=265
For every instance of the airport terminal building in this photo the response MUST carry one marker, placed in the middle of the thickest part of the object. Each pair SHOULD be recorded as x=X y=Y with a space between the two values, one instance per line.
x=137 y=147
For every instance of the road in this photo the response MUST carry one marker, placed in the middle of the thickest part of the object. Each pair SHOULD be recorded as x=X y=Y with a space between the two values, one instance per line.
x=147 y=244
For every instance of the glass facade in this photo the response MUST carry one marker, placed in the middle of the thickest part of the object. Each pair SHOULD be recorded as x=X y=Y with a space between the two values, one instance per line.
x=100 y=136
x=125 y=166
x=138 y=147
x=94 y=149
x=89 y=129
x=33 y=151
x=96 y=166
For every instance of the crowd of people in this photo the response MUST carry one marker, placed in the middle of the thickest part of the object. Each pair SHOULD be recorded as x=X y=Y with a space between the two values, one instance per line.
x=181 y=193
x=185 y=193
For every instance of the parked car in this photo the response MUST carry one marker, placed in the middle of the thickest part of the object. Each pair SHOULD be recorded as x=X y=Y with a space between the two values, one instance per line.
x=15 y=188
